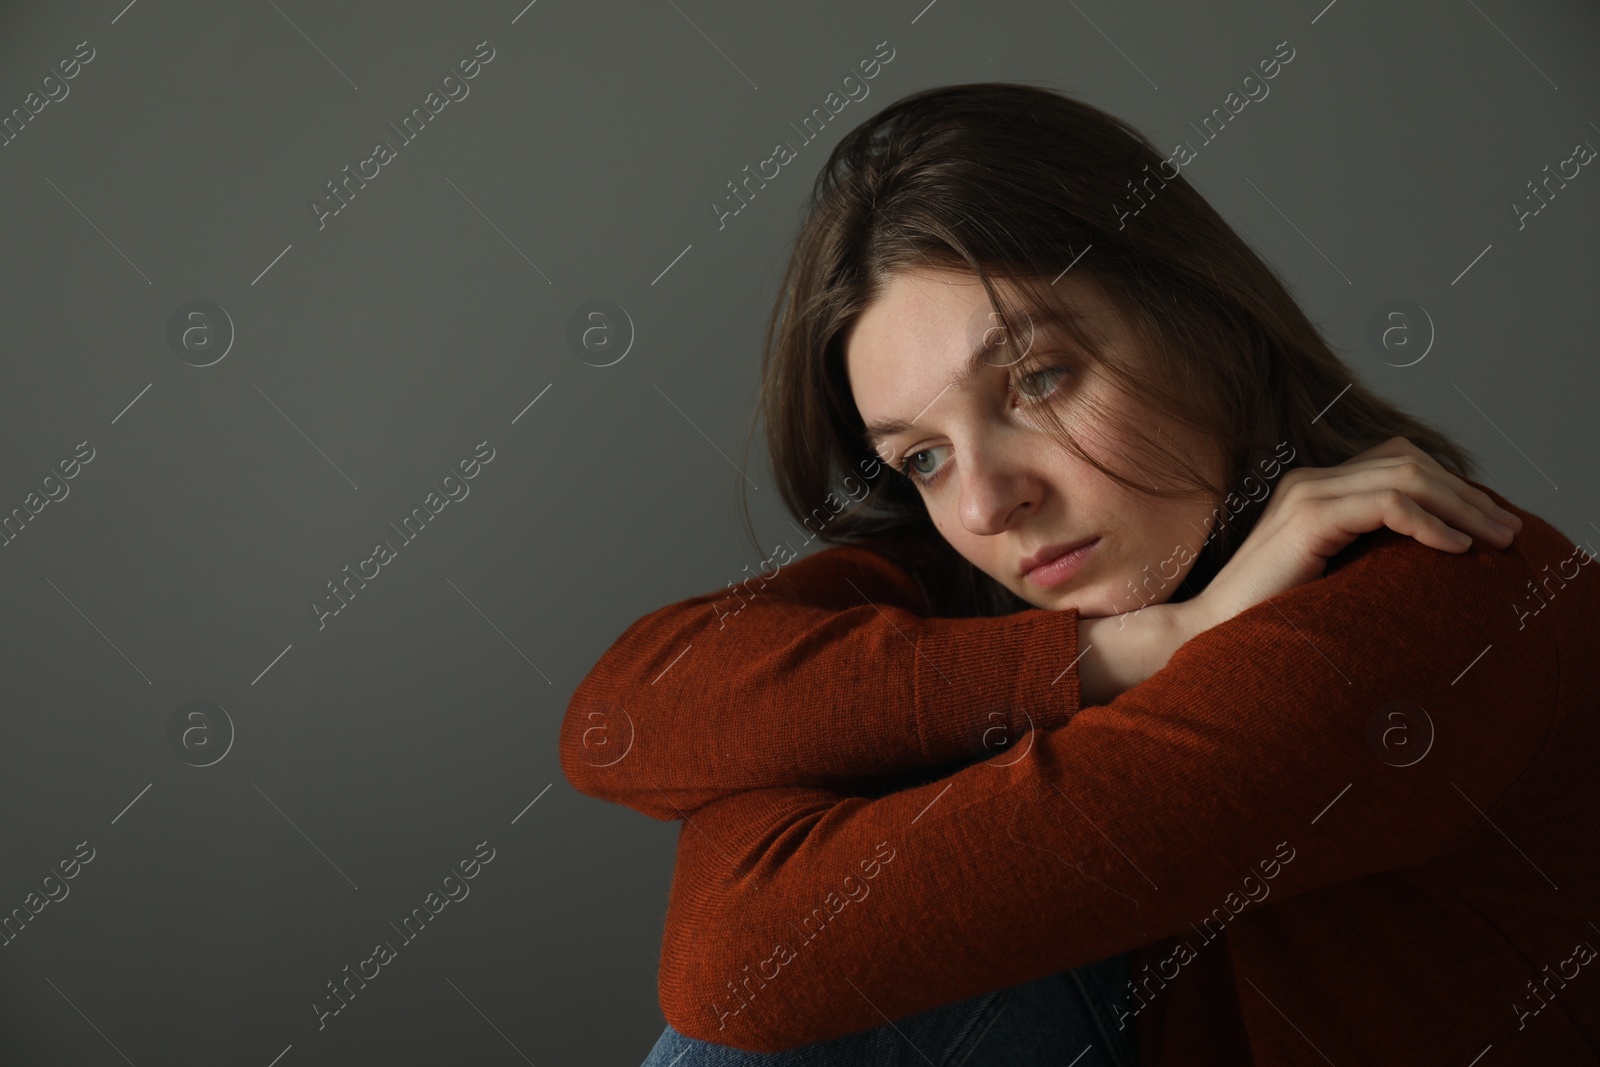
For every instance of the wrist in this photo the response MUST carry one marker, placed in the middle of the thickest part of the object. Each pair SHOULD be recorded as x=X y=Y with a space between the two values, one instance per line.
x=1183 y=621
x=1120 y=651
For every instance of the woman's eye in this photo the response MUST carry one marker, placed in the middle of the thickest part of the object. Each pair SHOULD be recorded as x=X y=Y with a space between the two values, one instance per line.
x=1039 y=384
x=921 y=466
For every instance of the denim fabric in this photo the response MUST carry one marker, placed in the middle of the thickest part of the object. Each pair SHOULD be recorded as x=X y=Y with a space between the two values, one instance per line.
x=1064 y=1020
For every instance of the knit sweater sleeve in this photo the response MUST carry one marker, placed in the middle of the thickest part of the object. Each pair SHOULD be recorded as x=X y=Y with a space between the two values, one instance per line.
x=830 y=674
x=1266 y=757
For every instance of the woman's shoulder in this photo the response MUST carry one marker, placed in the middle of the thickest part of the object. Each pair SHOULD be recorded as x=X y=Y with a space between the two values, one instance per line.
x=1538 y=549
x=1539 y=544
x=1393 y=619
x=1559 y=594
x=1536 y=601
x=1549 y=561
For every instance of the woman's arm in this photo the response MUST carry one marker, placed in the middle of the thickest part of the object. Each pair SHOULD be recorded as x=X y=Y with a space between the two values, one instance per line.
x=719 y=693
x=800 y=915
x=833 y=675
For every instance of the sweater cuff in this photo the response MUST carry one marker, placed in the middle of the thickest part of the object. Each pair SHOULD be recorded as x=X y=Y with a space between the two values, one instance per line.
x=982 y=683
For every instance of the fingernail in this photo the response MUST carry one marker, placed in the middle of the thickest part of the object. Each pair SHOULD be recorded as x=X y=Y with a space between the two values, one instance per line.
x=1508 y=517
x=1500 y=527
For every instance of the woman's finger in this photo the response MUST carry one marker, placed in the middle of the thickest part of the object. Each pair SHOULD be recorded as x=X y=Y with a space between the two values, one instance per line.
x=1454 y=500
x=1430 y=490
x=1335 y=521
x=1404 y=515
x=1399 y=447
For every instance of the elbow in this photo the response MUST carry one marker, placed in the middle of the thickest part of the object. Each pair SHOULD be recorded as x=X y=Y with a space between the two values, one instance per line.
x=599 y=736
x=707 y=995
x=596 y=740
x=586 y=740
x=595 y=749
x=728 y=971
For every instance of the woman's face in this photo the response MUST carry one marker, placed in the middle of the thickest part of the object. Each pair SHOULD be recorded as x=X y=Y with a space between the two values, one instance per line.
x=999 y=489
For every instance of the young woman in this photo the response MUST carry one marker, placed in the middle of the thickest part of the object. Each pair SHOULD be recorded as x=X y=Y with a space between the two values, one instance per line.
x=1168 y=696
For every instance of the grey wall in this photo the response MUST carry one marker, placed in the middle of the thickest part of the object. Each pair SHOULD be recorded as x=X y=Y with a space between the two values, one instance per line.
x=350 y=764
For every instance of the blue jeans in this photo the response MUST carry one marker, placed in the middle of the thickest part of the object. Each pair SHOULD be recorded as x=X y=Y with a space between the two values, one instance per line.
x=1064 y=1020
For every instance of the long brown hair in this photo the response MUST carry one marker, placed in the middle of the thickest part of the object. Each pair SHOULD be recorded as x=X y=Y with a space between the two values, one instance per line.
x=1013 y=183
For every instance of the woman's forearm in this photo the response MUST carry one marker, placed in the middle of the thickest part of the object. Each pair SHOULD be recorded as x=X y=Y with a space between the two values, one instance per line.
x=686 y=707
x=833 y=675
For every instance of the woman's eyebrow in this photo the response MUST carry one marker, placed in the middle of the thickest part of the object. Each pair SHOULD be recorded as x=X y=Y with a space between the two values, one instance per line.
x=879 y=429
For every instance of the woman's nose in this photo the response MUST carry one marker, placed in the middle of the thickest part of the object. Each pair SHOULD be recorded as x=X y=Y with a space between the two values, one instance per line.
x=995 y=490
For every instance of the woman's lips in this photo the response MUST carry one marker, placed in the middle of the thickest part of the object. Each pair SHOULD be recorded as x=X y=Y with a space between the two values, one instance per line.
x=1062 y=568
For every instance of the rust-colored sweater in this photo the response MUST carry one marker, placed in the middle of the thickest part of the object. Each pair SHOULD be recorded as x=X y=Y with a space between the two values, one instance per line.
x=1355 y=824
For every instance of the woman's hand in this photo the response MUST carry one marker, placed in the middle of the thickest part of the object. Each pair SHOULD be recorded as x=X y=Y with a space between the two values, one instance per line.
x=1316 y=511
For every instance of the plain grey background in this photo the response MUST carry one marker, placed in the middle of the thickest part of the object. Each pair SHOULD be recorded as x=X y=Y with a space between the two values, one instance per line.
x=365 y=758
